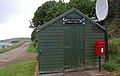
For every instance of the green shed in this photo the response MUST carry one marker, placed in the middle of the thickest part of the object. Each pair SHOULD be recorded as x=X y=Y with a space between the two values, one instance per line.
x=67 y=43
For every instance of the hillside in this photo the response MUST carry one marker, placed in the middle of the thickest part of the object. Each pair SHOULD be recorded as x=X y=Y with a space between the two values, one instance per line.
x=16 y=39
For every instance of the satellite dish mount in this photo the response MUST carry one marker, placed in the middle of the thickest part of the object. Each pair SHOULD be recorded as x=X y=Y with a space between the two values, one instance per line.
x=101 y=13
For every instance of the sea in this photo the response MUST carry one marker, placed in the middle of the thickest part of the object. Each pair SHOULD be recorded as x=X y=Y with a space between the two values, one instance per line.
x=4 y=44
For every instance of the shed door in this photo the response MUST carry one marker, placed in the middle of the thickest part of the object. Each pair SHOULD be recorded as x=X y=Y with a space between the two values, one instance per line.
x=73 y=47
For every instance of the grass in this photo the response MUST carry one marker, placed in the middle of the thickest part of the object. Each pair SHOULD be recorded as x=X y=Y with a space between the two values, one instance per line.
x=114 y=56
x=32 y=48
x=26 y=68
x=116 y=42
x=118 y=75
x=11 y=47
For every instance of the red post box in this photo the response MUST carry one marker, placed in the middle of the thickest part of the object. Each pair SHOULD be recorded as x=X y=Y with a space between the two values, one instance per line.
x=100 y=47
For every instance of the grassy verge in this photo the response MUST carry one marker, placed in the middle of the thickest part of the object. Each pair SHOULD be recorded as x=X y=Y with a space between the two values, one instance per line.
x=26 y=68
x=116 y=42
x=11 y=47
x=32 y=48
x=118 y=75
x=114 y=56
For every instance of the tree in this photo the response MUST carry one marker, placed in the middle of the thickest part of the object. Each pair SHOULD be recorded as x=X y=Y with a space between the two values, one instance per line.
x=48 y=11
x=114 y=9
x=85 y=6
x=34 y=37
x=52 y=9
x=113 y=18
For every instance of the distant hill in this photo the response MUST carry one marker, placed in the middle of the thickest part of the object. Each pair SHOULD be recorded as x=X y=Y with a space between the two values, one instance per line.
x=15 y=39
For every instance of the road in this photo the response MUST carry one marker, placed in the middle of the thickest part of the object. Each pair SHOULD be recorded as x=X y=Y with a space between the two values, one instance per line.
x=17 y=55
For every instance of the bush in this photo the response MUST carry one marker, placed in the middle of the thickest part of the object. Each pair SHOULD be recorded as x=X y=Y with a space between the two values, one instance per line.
x=118 y=75
x=114 y=55
x=113 y=49
x=117 y=60
x=111 y=66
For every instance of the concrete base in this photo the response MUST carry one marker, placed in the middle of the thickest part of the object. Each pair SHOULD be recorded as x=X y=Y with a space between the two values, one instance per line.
x=53 y=74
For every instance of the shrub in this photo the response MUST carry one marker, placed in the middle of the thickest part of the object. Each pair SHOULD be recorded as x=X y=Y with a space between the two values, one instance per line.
x=111 y=66
x=118 y=75
x=113 y=49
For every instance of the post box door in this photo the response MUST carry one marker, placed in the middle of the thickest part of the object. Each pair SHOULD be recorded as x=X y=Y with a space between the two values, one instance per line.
x=100 y=47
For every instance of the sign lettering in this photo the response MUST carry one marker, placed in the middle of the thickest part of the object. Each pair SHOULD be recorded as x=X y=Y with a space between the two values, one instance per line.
x=73 y=21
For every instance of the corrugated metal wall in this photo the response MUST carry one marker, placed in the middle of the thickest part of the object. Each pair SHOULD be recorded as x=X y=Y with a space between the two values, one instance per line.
x=74 y=47
x=59 y=47
x=92 y=33
x=51 y=44
x=73 y=44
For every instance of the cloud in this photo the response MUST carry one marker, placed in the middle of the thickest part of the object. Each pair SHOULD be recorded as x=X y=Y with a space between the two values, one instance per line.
x=9 y=8
x=15 y=27
x=15 y=16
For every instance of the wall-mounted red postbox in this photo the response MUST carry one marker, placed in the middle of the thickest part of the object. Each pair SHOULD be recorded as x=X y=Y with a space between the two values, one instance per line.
x=100 y=47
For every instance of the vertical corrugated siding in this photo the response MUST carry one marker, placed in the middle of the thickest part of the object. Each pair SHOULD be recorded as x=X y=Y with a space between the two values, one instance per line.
x=51 y=45
x=73 y=47
x=92 y=33
x=73 y=44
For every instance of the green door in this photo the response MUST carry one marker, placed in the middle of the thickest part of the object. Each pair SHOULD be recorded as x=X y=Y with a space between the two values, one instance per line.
x=74 y=47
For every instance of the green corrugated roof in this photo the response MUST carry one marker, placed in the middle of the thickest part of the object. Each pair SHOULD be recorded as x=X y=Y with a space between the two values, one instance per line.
x=40 y=27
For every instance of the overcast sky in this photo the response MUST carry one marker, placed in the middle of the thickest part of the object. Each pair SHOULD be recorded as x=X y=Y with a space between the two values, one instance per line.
x=15 y=16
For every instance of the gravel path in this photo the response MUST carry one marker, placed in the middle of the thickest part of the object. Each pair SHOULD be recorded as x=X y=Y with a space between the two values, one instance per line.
x=16 y=55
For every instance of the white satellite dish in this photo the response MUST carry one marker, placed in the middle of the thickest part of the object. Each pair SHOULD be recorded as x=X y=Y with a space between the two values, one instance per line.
x=101 y=9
